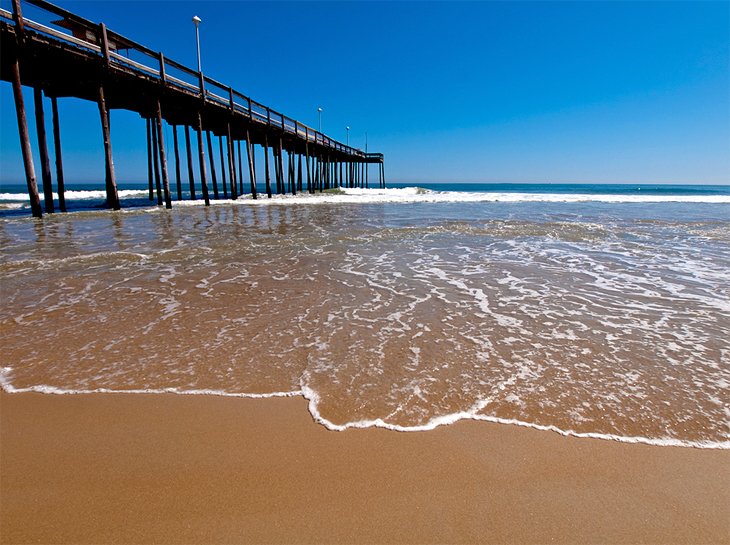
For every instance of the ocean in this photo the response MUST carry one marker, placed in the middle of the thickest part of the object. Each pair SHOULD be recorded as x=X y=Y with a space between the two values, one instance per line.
x=589 y=310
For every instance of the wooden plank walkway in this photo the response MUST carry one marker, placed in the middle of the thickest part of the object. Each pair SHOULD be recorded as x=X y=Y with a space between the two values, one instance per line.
x=74 y=57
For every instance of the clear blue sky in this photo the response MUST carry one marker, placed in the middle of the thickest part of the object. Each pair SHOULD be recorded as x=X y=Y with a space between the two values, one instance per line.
x=615 y=92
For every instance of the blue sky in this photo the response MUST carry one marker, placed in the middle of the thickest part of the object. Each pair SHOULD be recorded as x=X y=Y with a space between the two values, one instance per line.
x=607 y=92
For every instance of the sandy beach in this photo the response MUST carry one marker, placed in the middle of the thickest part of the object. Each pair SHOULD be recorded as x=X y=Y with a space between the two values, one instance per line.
x=116 y=468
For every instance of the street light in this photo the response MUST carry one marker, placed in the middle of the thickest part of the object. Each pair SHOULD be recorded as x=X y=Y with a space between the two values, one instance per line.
x=197 y=20
x=348 y=135
x=319 y=113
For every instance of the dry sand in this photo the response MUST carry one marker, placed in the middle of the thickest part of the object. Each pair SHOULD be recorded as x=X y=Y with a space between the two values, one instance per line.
x=192 y=469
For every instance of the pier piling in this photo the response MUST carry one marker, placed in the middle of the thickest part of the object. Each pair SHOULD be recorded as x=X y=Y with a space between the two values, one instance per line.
x=35 y=199
x=251 y=168
x=178 y=177
x=191 y=177
x=163 y=159
x=211 y=161
x=60 y=184
x=112 y=195
x=40 y=125
x=223 y=168
x=156 y=160
x=201 y=157
x=150 y=178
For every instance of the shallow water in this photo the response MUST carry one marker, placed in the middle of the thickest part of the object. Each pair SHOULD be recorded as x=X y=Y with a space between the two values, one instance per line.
x=397 y=309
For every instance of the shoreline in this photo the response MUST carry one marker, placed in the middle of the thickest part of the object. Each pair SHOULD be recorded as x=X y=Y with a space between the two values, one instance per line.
x=312 y=401
x=166 y=468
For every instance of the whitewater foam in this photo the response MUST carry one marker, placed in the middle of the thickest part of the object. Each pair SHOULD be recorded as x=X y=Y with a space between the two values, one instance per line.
x=314 y=399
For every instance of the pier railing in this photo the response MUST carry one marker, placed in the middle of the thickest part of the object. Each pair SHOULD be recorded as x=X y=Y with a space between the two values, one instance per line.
x=122 y=53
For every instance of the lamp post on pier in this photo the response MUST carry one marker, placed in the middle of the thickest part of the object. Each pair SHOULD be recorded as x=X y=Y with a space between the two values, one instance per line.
x=197 y=20
x=348 y=135
x=319 y=114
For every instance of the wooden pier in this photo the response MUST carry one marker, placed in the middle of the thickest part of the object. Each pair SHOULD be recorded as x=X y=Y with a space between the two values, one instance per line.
x=73 y=57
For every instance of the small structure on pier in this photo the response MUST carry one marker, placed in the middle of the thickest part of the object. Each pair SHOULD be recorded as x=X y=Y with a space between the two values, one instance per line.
x=88 y=63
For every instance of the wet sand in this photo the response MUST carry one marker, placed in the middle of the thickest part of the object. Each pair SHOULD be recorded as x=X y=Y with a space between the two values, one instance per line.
x=116 y=468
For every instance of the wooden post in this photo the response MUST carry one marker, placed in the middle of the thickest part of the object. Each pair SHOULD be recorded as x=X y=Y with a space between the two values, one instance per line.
x=212 y=165
x=281 y=164
x=240 y=170
x=276 y=170
x=191 y=177
x=299 y=177
x=148 y=123
x=59 y=159
x=292 y=175
x=318 y=177
x=231 y=166
x=266 y=166
x=309 y=172
x=382 y=169
x=163 y=159
x=40 y=127
x=251 y=167
x=104 y=45
x=35 y=199
x=366 y=176
x=201 y=156
x=156 y=157
x=19 y=23
x=223 y=168
x=112 y=196
x=178 y=180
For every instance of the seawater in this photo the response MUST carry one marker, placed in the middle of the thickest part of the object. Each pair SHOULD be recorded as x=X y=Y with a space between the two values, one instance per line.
x=598 y=311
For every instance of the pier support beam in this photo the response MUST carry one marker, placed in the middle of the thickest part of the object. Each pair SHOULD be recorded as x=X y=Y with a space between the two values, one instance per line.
x=191 y=177
x=163 y=159
x=223 y=168
x=309 y=170
x=281 y=165
x=178 y=180
x=60 y=184
x=150 y=178
x=201 y=158
x=231 y=165
x=211 y=160
x=35 y=199
x=112 y=196
x=267 y=175
x=251 y=168
x=240 y=169
x=40 y=126
x=299 y=177
x=156 y=158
